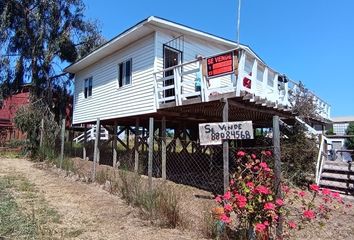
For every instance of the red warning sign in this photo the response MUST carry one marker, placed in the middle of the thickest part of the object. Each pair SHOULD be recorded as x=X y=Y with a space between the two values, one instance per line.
x=220 y=65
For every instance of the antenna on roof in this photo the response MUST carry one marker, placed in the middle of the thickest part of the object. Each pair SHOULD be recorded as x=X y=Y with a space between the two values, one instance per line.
x=238 y=22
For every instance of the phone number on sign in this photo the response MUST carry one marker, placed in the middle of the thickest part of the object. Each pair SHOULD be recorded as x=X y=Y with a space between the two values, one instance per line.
x=231 y=135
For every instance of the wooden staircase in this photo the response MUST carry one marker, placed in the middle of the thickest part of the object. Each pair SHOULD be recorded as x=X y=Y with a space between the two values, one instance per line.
x=338 y=176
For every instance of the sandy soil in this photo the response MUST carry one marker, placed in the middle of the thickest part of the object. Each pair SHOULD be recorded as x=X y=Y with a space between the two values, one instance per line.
x=87 y=207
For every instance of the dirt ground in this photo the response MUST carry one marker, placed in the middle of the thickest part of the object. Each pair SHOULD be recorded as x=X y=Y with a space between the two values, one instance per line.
x=97 y=214
x=88 y=208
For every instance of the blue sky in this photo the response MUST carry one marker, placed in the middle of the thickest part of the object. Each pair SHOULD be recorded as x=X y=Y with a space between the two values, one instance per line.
x=309 y=40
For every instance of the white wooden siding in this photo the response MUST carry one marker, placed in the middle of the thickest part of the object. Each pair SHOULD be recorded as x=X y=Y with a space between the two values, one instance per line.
x=192 y=47
x=107 y=100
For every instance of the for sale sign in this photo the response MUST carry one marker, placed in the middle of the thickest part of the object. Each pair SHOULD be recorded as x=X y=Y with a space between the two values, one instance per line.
x=220 y=65
x=214 y=133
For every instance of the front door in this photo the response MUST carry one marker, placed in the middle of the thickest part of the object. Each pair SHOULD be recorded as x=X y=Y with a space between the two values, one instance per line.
x=172 y=57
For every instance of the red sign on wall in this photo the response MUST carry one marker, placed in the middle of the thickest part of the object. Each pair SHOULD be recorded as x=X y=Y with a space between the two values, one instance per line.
x=220 y=65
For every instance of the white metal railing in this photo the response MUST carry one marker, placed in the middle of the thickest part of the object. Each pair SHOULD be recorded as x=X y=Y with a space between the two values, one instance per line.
x=321 y=158
x=91 y=135
x=254 y=77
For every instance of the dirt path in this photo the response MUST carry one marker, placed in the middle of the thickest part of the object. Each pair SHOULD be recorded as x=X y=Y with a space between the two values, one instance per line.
x=98 y=214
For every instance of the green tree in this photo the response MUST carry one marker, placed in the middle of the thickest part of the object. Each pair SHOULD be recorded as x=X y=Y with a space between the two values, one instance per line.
x=38 y=38
x=349 y=142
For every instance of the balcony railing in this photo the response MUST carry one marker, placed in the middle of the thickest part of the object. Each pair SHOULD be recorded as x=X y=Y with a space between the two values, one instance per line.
x=254 y=79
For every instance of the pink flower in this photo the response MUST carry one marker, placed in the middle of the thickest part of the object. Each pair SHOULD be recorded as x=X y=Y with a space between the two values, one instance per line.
x=302 y=194
x=309 y=214
x=292 y=224
x=335 y=195
x=240 y=154
x=228 y=208
x=262 y=189
x=227 y=195
x=268 y=153
x=279 y=202
x=260 y=227
x=267 y=169
x=285 y=188
x=253 y=156
x=218 y=199
x=269 y=206
x=326 y=191
x=314 y=187
x=241 y=201
x=250 y=185
x=224 y=218
x=266 y=223
x=232 y=182
x=263 y=165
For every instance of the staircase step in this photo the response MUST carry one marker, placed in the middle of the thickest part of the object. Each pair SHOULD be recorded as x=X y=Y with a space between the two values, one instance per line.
x=336 y=184
x=338 y=178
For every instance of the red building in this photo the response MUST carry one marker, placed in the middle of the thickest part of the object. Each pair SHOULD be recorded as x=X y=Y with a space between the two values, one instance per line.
x=8 y=110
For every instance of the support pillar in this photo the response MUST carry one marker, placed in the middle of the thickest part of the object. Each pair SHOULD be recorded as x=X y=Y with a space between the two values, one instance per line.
x=151 y=149
x=136 y=146
x=225 y=147
x=114 y=144
x=277 y=171
x=96 y=150
x=163 y=147
x=85 y=140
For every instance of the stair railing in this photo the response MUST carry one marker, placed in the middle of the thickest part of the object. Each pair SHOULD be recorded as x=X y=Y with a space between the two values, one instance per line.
x=321 y=157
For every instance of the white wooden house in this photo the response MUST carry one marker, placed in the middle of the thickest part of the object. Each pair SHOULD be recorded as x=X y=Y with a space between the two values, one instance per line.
x=125 y=76
x=158 y=68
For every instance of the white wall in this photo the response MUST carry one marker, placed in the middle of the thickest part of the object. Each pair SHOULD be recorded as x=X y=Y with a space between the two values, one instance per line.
x=107 y=100
x=192 y=46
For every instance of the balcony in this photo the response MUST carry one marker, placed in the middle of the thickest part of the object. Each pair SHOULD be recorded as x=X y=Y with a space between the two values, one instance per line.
x=187 y=83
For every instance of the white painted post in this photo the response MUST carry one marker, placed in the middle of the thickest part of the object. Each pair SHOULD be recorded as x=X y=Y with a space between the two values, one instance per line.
x=41 y=133
x=241 y=75
x=151 y=149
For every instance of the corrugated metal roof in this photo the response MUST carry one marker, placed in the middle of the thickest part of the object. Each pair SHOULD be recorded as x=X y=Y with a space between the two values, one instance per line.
x=343 y=119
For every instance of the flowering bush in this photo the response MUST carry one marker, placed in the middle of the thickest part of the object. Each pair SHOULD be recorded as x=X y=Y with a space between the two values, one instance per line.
x=251 y=202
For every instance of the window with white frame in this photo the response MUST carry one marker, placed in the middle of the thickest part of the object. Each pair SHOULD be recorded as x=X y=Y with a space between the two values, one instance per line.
x=88 y=87
x=125 y=73
x=260 y=72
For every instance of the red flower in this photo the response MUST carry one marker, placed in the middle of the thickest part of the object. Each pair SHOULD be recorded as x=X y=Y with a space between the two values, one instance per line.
x=279 y=202
x=224 y=218
x=268 y=153
x=335 y=195
x=227 y=195
x=314 y=187
x=218 y=199
x=285 y=188
x=228 y=208
x=302 y=194
x=269 y=206
x=250 y=184
x=292 y=224
x=253 y=156
x=241 y=201
x=263 y=165
x=309 y=214
x=326 y=191
x=260 y=227
x=240 y=154
x=262 y=189
x=266 y=223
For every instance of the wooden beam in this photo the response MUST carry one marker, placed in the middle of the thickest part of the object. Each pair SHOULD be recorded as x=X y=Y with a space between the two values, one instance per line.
x=277 y=171
x=114 y=144
x=151 y=149
x=136 y=146
x=225 y=147
x=163 y=147
x=95 y=150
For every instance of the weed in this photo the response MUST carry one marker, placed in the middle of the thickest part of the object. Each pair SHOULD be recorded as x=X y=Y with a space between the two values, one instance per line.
x=102 y=176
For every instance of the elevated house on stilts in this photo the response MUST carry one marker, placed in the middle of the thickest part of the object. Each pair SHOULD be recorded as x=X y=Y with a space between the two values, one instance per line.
x=166 y=78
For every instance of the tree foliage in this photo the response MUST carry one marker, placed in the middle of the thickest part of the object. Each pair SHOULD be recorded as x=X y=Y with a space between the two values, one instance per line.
x=303 y=104
x=349 y=143
x=37 y=38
